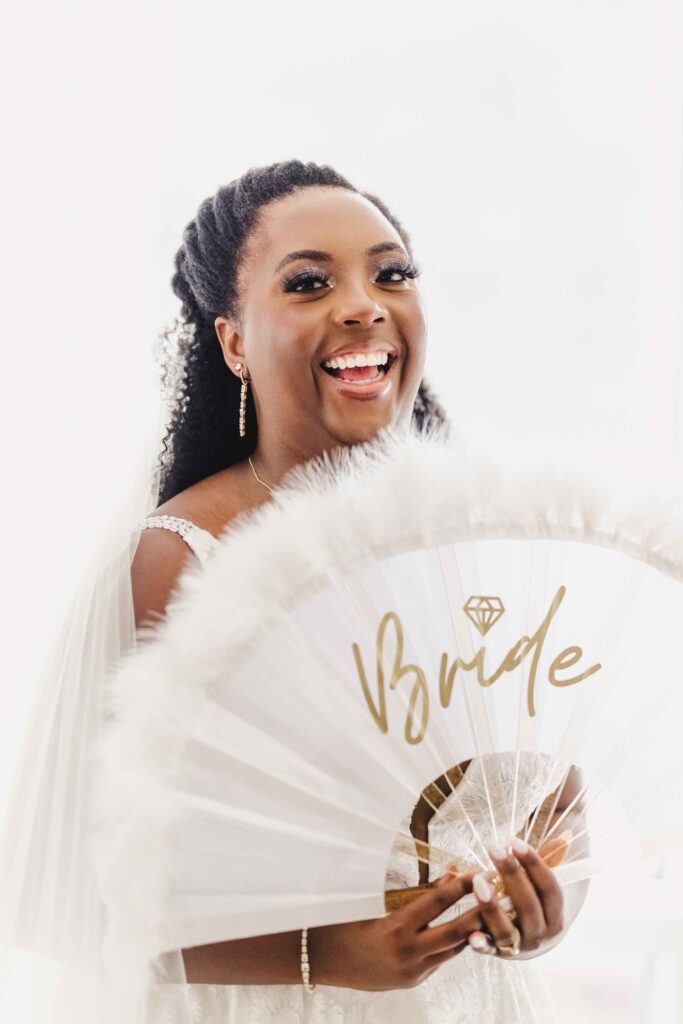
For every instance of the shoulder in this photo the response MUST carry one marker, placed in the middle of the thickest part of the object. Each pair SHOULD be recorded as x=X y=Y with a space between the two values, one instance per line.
x=213 y=502
x=162 y=555
x=159 y=560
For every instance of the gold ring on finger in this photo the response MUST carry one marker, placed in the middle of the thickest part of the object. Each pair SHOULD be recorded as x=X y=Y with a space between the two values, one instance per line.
x=512 y=948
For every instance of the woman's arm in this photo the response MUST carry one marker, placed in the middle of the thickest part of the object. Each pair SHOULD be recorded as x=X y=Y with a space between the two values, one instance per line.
x=391 y=952
x=263 y=960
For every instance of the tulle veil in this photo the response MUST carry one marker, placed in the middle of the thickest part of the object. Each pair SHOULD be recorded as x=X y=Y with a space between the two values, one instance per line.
x=52 y=921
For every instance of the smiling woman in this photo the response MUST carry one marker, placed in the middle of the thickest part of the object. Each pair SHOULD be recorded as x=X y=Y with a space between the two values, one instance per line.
x=285 y=270
x=360 y=299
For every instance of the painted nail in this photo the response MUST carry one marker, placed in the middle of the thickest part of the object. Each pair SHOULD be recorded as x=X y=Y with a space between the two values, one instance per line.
x=519 y=846
x=482 y=889
x=497 y=852
x=480 y=942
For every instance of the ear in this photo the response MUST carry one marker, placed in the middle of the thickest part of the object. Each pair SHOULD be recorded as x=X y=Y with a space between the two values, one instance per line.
x=231 y=343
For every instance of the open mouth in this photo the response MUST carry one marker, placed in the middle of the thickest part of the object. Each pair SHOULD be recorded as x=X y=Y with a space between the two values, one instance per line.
x=360 y=376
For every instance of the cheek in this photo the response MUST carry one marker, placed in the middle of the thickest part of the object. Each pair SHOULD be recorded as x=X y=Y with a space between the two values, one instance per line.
x=279 y=352
x=415 y=332
x=293 y=341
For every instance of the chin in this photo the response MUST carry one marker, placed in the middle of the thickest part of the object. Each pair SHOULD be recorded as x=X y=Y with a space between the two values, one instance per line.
x=358 y=429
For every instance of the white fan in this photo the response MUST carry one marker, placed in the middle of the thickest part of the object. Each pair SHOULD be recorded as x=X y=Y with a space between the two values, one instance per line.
x=406 y=617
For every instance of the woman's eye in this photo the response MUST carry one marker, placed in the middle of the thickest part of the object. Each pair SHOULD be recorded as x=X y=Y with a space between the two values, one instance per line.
x=408 y=270
x=294 y=284
x=299 y=283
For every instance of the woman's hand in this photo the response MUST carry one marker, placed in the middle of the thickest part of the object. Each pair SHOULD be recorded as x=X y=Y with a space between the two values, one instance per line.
x=396 y=951
x=401 y=949
x=536 y=896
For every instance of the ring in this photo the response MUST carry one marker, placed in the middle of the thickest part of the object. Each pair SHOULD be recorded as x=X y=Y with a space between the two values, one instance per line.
x=510 y=948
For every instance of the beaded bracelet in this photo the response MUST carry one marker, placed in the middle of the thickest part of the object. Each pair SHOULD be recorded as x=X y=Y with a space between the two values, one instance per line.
x=305 y=966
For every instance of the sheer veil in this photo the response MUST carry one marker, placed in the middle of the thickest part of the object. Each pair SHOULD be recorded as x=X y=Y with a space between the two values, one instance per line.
x=52 y=920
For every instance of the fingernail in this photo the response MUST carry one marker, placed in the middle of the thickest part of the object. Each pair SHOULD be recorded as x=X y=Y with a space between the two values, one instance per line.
x=519 y=846
x=479 y=942
x=566 y=835
x=482 y=889
x=497 y=852
x=447 y=876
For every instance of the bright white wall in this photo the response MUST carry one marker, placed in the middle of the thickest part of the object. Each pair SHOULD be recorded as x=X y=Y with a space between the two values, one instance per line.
x=533 y=150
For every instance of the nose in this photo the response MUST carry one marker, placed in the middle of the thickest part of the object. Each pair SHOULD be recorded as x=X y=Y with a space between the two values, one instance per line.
x=357 y=308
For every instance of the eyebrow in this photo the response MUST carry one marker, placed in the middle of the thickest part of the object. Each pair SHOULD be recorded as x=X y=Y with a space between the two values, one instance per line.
x=316 y=254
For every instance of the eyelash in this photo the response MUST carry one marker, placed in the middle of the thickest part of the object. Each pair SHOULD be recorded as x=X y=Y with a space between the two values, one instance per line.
x=409 y=270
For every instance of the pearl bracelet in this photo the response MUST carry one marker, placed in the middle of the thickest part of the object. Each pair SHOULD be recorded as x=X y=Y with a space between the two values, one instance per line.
x=305 y=966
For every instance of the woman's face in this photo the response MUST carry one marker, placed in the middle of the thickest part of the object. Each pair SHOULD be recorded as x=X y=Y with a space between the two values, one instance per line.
x=348 y=296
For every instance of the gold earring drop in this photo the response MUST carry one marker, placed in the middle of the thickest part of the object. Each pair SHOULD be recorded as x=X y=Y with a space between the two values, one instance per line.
x=243 y=401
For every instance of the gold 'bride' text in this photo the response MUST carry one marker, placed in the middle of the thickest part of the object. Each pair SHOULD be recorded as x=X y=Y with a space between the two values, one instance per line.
x=418 y=703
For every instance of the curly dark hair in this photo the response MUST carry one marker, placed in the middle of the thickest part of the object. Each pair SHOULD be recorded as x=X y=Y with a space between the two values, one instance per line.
x=201 y=393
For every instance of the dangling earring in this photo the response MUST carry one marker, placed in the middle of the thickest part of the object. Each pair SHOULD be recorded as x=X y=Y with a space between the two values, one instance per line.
x=243 y=401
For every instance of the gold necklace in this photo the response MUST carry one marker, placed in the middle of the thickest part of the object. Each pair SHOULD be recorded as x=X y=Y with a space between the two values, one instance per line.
x=258 y=477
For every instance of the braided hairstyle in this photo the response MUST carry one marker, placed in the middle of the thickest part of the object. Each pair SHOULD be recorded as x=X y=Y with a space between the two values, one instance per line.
x=201 y=393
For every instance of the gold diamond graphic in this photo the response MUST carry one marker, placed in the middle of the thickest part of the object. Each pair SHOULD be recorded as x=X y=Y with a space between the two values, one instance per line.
x=484 y=612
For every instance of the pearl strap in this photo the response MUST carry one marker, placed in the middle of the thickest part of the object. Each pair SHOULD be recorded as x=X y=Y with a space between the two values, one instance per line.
x=305 y=966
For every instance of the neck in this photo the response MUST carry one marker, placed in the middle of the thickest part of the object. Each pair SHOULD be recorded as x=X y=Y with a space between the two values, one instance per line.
x=273 y=461
x=276 y=454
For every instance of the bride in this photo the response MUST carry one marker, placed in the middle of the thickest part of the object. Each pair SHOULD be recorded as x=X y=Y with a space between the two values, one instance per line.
x=304 y=329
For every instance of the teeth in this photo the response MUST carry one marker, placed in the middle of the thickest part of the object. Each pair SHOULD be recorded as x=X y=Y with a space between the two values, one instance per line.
x=361 y=359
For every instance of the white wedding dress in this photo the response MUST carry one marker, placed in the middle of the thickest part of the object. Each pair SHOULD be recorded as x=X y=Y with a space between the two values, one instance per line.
x=472 y=988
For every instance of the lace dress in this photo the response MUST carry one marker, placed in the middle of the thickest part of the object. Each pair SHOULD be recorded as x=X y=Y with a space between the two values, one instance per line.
x=469 y=989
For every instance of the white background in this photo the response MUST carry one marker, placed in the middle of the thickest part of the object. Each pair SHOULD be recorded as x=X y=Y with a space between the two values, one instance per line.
x=533 y=151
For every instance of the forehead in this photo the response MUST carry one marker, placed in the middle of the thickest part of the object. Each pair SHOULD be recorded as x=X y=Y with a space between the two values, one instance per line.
x=336 y=220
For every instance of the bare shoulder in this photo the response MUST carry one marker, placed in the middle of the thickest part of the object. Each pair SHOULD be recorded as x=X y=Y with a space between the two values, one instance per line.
x=213 y=502
x=159 y=560
x=162 y=555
